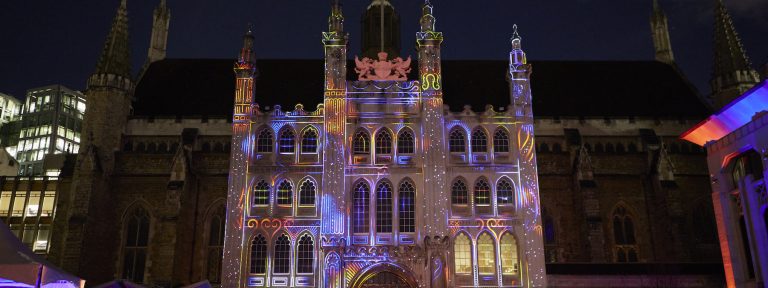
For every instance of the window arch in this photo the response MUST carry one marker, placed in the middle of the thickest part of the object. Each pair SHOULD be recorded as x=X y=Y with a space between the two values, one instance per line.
x=260 y=193
x=505 y=192
x=361 y=144
x=282 y=259
x=305 y=255
x=509 y=255
x=407 y=213
x=457 y=141
x=479 y=141
x=287 y=141
x=599 y=147
x=620 y=148
x=544 y=148
x=482 y=192
x=557 y=148
x=264 y=141
x=309 y=141
x=361 y=196
x=486 y=255
x=625 y=244
x=632 y=147
x=384 y=207
x=135 y=250
x=307 y=192
x=215 y=244
x=285 y=193
x=501 y=141
x=258 y=255
x=383 y=142
x=459 y=192
x=406 y=142
x=462 y=250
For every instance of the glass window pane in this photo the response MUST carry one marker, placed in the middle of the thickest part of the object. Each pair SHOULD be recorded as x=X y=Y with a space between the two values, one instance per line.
x=509 y=256
x=463 y=255
x=384 y=208
x=486 y=255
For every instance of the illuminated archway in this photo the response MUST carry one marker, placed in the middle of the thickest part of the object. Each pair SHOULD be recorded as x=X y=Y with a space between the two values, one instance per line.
x=385 y=275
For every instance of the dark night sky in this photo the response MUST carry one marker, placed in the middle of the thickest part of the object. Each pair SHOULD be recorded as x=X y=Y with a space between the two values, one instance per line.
x=59 y=41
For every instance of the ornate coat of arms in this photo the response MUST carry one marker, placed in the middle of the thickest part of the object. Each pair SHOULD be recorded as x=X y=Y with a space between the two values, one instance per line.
x=382 y=69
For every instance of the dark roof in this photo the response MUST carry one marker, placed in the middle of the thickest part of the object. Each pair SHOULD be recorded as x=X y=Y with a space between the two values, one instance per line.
x=205 y=87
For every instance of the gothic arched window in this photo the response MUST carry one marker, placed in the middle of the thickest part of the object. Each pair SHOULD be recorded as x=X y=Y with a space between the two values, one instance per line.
x=285 y=193
x=459 y=193
x=361 y=201
x=215 y=245
x=501 y=141
x=479 y=141
x=486 y=255
x=505 y=192
x=625 y=245
x=264 y=141
x=135 y=246
x=287 y=141
x=307 y=192
x=309 y=141
x=457 y=141
x=260 y=193
x=482 y=192
x=462 y=250
x=407 y=206
x=361 y=143
x=258 y=255
x=305 y=255
x=509 y=256
x=383 y=142
x=282 y=259
x=384 y=207
x=406 y=144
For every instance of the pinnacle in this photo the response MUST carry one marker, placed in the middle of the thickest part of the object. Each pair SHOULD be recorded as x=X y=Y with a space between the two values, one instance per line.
x=115 y=58
x=729 y=53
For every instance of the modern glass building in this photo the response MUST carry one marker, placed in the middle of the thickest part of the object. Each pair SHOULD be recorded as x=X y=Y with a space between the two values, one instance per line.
x=51 y=120
x=27 y=205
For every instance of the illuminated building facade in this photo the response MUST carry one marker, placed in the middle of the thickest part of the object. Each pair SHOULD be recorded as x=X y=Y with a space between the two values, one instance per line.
x=380 y=185
x=27 y=205
x=51 y=121
x=347 y=183
x=9 y=108
x=736 y=139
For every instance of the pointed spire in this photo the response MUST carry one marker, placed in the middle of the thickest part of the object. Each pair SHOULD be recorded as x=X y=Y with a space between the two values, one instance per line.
x=660 y=35
x=729 y=53
x=336 y=19
x=159 y=41
x=247 y=55
x=115 y=58
x=517 y=56
x=427 y=19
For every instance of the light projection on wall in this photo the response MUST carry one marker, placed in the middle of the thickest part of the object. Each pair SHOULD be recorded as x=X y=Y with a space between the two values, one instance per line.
x=421 y=255
x=731 y=117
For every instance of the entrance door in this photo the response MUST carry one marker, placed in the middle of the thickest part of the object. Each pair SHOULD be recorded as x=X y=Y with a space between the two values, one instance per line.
x=385 y=279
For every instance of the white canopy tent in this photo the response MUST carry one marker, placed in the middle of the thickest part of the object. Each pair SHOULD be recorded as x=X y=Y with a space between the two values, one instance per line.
x=20 y=267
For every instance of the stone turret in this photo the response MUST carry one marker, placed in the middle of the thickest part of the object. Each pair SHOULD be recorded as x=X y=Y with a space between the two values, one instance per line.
x=381 y=30
x=732 y=71
x=159 y=41
x=109 y=93
x=660 y=33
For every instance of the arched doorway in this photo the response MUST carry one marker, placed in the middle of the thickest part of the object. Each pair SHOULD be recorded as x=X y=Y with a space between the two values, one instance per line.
x=384 y=275
x=384 y=279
